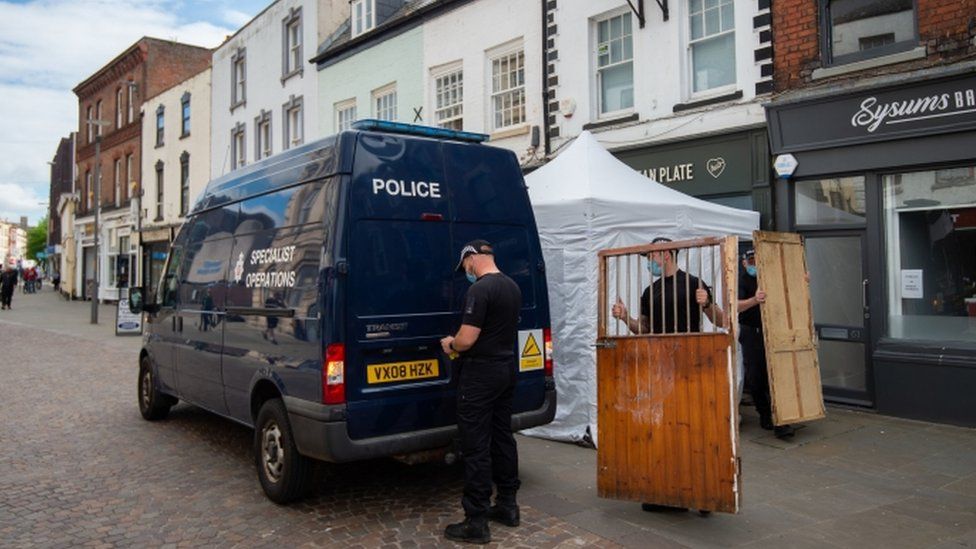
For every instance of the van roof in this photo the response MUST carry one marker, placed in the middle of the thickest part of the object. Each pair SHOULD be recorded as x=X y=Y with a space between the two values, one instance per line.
x=315 y=160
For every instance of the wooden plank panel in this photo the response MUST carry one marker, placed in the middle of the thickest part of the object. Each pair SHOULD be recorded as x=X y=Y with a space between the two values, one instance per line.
x=666 y=422
x=791 y=356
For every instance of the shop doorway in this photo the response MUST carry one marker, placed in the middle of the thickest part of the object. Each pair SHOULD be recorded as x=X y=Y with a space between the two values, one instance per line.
x=839 y=287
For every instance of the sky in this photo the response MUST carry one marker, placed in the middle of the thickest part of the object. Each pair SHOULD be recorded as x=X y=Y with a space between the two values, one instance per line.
x=47 y=47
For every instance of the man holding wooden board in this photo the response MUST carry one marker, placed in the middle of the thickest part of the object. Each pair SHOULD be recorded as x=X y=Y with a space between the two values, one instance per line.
x=753 y=346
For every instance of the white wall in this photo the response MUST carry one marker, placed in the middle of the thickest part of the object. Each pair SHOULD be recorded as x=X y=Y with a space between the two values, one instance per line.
x=661 y=75
x=469 y=34
x=262 y=40
x=197 y=144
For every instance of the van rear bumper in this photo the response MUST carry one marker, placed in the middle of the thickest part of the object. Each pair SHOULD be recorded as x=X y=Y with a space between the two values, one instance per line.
x=320 y=432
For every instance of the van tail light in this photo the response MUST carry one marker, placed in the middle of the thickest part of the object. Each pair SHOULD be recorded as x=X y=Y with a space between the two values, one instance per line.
x=334 y=374
x=547 y=349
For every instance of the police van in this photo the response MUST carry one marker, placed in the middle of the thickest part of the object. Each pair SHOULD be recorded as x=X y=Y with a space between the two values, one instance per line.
x=306 y=294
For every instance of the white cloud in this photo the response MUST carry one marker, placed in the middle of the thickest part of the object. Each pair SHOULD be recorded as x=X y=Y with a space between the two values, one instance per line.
x=236 y=18
x=47 y=48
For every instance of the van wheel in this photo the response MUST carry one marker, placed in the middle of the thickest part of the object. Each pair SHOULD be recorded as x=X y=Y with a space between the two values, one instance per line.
x=285 y=474
x=153 y=404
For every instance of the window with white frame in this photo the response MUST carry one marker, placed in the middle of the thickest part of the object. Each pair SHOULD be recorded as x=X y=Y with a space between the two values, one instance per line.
x=294 y=132
x=363 y=16
x=292 y=43
x=615 y=63
x=128 y=172
x=98 y=116
x=385 y=103
x=508 y=89
x=131 y=89
x=712 y=44
x=238 y=152
x=345 y=114
x=89 y=128
x=262 y=135
x=117 y=180
x=119 y=108
x=238 y=64
x=449 y=99
x=159 y=190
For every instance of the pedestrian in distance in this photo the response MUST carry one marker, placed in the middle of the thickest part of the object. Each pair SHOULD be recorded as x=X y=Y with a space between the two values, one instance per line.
x=8 y=281
x=486 y=344
x=753 y=345
x=669 y=296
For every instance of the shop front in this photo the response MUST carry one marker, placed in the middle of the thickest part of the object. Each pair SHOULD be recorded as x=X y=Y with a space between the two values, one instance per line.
x=155 y=246
x=884 y=193
x=731 y=169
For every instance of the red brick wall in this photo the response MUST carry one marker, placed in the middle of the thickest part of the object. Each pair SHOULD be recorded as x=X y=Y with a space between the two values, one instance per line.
x=943 y=27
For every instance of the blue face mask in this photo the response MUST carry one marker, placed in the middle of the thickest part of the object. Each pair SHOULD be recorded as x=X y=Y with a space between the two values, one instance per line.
x=471 y=278
x=751 y=269
x=654 y=268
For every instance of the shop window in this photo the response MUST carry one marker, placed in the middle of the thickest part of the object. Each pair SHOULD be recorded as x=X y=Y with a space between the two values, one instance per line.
x=835 y=201
x=712 y=44
x=862 y=29
x=615 y=64
x=930 y=234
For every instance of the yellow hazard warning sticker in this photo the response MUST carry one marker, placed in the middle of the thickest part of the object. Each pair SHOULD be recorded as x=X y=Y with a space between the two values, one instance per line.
x=530 y=350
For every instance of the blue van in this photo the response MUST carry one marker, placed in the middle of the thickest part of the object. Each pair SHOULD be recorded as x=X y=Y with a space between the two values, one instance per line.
x=306 y=294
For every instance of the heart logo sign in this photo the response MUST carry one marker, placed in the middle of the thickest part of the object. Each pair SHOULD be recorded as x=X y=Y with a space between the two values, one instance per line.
x=715 y=166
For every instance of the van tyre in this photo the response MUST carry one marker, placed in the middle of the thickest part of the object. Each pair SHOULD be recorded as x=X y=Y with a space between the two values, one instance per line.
x=285 y=474
x=153 y=404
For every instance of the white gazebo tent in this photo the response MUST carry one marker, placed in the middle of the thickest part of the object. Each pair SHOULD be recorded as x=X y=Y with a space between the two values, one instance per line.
x=586 y=201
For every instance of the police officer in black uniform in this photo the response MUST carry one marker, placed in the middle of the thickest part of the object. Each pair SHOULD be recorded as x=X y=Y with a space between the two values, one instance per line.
x=753 y=346
x=486 y=342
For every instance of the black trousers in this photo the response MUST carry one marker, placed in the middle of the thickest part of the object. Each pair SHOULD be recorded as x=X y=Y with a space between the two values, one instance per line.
x=5 y=296
x=754 y=362
x=484 y=410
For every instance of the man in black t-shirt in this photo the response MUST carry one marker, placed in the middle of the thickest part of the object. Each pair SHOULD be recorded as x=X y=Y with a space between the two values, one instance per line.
x=753 y=345
x=671 y=296
x=486 y=342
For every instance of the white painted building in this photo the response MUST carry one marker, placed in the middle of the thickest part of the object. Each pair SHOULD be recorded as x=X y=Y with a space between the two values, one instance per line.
x=678 y=96
x=176 y=164
x=264 y=91
x=483 y=72
x=437 y=63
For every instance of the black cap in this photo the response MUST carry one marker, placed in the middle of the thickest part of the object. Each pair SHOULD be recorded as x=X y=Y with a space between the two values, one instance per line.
x=749 y=254
x=472 y=248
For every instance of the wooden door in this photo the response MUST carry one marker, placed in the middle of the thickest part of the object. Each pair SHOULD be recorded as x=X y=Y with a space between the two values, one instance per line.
x=667 y=417
x=787 y=316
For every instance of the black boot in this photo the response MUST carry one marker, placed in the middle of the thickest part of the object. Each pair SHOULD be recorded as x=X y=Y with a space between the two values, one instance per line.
x=505 y=513
x=784 y=431
x=469 y=531
x=766 y=422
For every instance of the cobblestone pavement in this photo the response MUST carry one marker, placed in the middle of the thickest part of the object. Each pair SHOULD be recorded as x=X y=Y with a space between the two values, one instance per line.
x=80 y=467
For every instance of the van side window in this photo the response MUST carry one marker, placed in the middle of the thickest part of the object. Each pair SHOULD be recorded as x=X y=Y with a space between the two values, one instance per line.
x=169 y=284
x=206 y=258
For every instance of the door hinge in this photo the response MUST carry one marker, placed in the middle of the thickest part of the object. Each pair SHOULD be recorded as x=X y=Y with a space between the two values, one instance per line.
x=606 y=344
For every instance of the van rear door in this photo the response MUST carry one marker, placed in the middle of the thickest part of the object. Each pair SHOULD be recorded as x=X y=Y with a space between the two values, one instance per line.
x=400 y=286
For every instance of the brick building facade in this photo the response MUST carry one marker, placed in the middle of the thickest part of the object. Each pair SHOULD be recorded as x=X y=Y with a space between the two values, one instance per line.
x=875 y=106
x=113 y=95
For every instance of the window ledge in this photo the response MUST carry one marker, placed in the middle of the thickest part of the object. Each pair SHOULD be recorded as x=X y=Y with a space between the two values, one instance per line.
x=514 y=131
x=847 y=68
x=159 y=145
x=287 y=76
x=185 y=135
x=633 y=117
x=708 y=101
x=240 y=103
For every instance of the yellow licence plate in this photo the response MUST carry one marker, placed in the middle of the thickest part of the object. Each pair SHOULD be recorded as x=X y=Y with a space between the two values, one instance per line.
x=401 y=371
